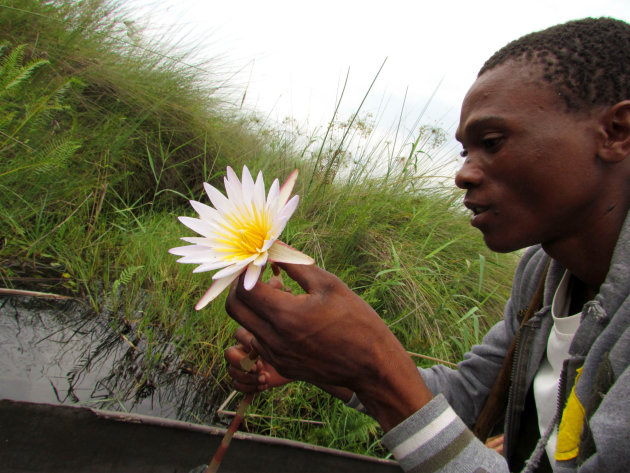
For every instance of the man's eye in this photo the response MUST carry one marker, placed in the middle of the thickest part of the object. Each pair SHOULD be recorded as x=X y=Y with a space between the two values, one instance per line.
x=491 y=143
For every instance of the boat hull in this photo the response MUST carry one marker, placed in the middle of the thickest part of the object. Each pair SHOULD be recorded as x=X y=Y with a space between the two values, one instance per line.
x=52 y=438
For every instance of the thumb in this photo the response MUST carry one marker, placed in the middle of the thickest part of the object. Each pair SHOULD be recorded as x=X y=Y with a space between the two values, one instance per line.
x=311 y=278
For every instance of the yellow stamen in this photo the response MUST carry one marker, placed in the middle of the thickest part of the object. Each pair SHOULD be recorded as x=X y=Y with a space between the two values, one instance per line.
x=243 y=235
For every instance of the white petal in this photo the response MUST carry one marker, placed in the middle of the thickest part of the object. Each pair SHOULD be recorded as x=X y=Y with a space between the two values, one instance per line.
x=280 y=220
x=195 y=254
x=259 y=192
x=198 y=259
x=287 y=188
x=206 y=253
x=247 y=185
x=200 y=226
x=251 y=276
x=232 y=177
x=214 y=290
x=282 y=253
x=272 y=197
x=282 y=217
x=202 y=268
x=220 y=202
x=233 y=188
x=277 y=227
x=235 y=196
x=189 y=250
x=199 y=241
x=233 y=268
x=289 y=207
x=261 y=260
x=267 y=244
x=205 y=211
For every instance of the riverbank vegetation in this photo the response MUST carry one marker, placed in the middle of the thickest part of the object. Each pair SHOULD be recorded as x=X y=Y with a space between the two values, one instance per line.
x=104 y=139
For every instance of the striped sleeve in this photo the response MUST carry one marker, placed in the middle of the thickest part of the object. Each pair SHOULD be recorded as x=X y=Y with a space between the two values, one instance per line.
x=355 y=403
x=435 y=439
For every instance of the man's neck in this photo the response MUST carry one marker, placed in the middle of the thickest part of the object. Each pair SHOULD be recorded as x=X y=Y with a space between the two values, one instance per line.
x=588 y=255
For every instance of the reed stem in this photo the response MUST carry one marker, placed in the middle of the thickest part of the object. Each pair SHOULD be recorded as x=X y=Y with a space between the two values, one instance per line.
x=247 y=364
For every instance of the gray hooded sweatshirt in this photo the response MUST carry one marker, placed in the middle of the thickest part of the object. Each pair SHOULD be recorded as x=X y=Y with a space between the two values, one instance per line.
x=594 y=404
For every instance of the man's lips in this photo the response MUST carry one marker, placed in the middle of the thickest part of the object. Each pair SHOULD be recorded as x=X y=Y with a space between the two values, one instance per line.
x=475 y=207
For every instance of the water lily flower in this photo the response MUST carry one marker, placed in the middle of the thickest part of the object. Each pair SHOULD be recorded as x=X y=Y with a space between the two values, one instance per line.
x=241 y=232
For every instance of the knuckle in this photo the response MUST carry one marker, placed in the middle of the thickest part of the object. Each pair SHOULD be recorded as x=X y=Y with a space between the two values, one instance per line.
x=243 y=336
x=230 y=306
x=228 y=354
x=332 y=284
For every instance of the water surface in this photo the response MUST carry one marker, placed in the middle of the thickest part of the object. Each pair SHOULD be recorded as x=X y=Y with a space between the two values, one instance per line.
x=61 y=352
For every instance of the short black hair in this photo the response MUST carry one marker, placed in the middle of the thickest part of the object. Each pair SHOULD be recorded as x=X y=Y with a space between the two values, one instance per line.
x=587 y=61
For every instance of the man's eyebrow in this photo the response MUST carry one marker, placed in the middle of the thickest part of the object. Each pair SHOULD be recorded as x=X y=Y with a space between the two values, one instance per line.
x=474 y=125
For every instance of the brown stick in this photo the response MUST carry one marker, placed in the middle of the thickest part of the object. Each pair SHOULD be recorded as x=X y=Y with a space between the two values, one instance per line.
x=430 y=358
x=247 y=364
x=214 y=465
x=21 y=292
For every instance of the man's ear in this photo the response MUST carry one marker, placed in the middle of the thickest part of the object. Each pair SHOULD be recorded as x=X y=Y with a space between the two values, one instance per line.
x=616 y=132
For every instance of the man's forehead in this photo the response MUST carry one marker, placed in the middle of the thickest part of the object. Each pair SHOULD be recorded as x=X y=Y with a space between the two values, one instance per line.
x=511 y=75
x=504 y=90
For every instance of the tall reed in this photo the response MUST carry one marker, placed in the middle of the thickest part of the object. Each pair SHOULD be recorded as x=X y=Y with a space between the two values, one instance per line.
x=103 y=140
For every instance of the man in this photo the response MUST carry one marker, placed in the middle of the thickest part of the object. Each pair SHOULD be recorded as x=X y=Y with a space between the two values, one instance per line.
x=545 y=131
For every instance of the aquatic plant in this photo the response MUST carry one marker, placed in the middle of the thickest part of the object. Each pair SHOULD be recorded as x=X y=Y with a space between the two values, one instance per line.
x=240 y=234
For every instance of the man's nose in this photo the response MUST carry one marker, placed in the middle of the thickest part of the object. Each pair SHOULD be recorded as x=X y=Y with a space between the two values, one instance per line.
x=469 y=175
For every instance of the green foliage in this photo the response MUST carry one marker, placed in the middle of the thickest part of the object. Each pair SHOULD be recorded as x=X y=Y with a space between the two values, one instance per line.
x=126 y=275
x=13 y=72
x=320 y=420
x=103 y=140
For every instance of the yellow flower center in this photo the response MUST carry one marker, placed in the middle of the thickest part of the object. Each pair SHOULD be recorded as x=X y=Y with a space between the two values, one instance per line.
x=245 y=234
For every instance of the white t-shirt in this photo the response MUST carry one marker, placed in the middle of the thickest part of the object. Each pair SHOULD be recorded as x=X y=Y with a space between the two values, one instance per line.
x=547 y=379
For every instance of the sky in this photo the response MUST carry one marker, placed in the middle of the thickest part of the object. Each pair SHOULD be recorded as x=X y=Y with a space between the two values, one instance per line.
x=291 y=58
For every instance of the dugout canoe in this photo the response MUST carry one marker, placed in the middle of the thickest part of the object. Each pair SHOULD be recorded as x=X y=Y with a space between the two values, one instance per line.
x=53 y=438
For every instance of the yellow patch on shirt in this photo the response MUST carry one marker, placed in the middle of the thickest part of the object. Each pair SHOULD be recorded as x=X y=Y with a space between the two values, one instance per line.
x=571 y=425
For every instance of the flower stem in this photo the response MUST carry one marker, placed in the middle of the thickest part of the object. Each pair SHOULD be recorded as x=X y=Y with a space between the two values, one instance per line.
x=246 y=364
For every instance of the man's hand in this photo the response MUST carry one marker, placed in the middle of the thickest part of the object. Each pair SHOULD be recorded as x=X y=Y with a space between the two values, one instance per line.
x=261 y=377
x=496 y=443
x=330 y=336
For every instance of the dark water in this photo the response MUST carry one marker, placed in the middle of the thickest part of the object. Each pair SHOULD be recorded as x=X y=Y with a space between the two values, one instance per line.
x=62 y=353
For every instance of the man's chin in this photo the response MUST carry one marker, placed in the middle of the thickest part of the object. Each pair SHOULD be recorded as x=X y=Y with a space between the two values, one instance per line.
x=502 y=245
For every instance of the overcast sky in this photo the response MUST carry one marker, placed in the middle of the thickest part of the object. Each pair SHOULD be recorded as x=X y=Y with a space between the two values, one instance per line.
x=292 y=56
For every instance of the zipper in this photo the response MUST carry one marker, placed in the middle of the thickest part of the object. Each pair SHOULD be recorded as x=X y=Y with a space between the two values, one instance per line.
x=513 y=415
x=562 y=391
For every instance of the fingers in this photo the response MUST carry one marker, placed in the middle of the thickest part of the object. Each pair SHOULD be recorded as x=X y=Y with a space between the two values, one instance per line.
x=268 y=299
x=495 y=443
x=247 y=382
x=262 y=293
x=233 y=356
x=244 y=337
x=275 y=281
x=265 y=301
x=260 y=349
x=240 y=311
x=253 y=381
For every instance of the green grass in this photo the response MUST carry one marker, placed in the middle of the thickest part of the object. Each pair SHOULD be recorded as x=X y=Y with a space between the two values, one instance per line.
x=103 y=141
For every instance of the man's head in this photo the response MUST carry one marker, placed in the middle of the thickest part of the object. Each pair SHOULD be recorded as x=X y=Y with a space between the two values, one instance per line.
x=546 y=135
x=586 y=61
